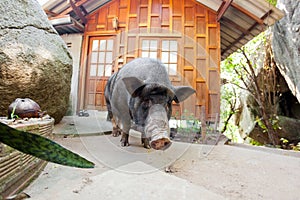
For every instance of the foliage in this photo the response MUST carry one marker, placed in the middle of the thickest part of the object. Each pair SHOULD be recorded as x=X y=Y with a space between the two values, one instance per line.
x=12 y=115
x=255 y=143
x=189 y=123
x=296 y=147
x=232 y=82
x=286 y=144
x=189 y=127
x=272 y=2
x=252 y=69
x=229 y=109
x=41 y=147
x=274 y=121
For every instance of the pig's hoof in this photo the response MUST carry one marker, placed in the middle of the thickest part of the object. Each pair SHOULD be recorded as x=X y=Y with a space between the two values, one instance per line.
x=145 y=142
x=161 y=144
x=115 y=132
x=124 y=140
x=124 y=144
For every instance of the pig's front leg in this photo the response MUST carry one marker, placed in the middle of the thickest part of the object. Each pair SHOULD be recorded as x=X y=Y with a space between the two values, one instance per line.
x=116 y=131
x=145 y=141
x=125 y=127
x=124 y=139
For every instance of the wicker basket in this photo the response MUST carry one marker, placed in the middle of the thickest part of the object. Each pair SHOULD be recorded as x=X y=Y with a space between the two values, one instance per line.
x=17 y=169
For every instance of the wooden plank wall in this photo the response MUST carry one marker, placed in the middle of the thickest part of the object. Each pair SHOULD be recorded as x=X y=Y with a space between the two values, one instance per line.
x=191 y=23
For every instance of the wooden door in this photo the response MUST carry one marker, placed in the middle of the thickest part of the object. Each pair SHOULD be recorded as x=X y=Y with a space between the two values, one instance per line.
x=99 y=69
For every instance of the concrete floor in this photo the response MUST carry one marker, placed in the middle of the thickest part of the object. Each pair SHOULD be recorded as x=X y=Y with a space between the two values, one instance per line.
x=199 y=171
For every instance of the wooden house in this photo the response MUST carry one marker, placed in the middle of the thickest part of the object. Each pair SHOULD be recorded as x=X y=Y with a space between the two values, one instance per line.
x=190 y=37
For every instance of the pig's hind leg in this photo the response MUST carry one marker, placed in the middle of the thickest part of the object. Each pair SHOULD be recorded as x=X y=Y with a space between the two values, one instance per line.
x=116 y=129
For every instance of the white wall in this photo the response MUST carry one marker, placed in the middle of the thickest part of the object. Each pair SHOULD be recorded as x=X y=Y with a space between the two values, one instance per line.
x=74 y=42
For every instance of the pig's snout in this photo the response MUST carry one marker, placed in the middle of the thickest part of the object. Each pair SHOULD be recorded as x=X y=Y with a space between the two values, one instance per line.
x=160 y=142
x=157 y=128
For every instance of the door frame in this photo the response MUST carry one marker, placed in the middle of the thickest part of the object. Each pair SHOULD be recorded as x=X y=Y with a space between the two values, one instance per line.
x=84 y=65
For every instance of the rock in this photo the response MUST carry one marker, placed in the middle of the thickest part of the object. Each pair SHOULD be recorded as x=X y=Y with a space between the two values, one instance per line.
x=245 y=118
x=286 y=44
x=34 y=60
x=287 y=131
x=287 y=128
x=287 y=110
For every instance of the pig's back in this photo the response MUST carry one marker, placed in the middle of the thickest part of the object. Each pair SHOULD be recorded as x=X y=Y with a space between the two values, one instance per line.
x=147 y=69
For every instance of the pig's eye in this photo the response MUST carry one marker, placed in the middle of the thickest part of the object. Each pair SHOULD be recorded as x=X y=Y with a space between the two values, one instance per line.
x=146 y=104
x=168 y=105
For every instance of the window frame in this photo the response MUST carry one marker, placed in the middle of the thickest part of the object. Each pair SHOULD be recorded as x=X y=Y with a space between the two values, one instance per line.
x=160 y=50
x=106 y=68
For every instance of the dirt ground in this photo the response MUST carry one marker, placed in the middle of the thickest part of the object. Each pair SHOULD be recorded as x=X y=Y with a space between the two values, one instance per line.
x=243 y=172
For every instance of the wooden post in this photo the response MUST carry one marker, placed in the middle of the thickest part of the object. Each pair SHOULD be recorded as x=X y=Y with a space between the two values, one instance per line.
x=203 y=124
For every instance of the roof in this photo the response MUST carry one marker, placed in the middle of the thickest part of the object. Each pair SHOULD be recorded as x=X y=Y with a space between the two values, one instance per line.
x=240 y=20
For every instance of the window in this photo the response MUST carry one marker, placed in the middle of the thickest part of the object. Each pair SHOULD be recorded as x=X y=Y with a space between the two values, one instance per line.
x=169 y=55
x=149 y=48
x=163 y=49
x=101 y=58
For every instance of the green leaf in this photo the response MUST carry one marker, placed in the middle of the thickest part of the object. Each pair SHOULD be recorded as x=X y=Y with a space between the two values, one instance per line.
x=41 y=147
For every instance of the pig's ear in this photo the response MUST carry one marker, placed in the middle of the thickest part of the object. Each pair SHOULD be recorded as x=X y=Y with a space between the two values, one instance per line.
x=182 y=92
x=133 y=85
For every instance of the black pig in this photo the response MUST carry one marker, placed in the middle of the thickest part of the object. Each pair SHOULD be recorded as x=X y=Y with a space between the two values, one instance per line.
x=140 y=96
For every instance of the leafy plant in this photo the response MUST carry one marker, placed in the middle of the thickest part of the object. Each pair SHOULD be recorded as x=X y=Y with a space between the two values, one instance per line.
x=255 y=143
x=189 y=123
x=286 y=144
x=12 y=115
x=248 y=70
x=272 y=2
x=41 y=147
x=296 y=147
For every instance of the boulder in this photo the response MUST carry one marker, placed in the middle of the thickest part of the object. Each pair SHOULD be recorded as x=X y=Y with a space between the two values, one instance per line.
x=286 y=44
x=245 y=117
x=287 y=110
x=34 y=60
x=287 y=131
